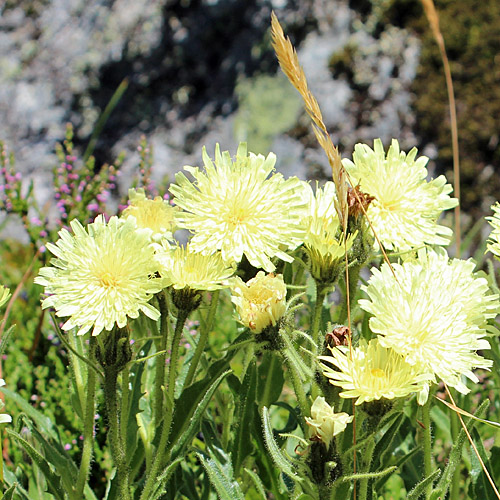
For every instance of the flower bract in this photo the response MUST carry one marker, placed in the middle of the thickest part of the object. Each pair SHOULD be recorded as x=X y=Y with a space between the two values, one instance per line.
x=240 y=207
x=434 y=312
x=405 y=207
x=101 y=275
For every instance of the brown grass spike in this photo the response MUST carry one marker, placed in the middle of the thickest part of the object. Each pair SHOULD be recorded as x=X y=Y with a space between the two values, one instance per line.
x=289 y=62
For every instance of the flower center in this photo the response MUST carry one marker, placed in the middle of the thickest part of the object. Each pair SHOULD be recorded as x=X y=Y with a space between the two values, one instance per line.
x=107 y=280
x=377 y=373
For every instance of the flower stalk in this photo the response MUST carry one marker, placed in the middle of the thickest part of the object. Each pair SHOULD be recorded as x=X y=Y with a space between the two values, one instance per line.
x=88 y=426
x=167 y=421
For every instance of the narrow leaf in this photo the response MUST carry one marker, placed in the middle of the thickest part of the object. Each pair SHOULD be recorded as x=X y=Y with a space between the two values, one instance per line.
x=245 y=410
x=188 y=412
x=164 y=477
x=8 y=493
x=276 y=454
x=258 y=483
x=221 y=475
x=53 y=480
x=420 y=488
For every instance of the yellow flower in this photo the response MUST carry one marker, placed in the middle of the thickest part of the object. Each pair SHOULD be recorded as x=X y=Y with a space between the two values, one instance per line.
x=405 y=206
x=240 y=207
x=156 y=215
x=494 y=238
x=323 y=240
x=260 y=302
x=434 y=312
x=374 y=372
x=101 y=275
x=183 y=268
x=325 y=423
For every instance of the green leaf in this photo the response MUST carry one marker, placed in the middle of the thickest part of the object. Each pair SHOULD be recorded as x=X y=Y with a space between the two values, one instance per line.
x=270 y=380
x=53 y=480
x=277 y=455
x=8 y=493
x=420 y=488
x=44 y=423
x=189 y=409
x=456 y=452
x=408 y=456
x=221 y=475
x=258 y=483
x=12 y=481
x=164 y=477
x=58 y=457
x=481 y=487
x=383 y=446
x=130 y=413
x=245 y=410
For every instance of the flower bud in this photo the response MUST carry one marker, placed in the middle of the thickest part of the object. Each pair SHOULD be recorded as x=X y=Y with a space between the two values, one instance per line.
x=260 y=302
x=325 y=423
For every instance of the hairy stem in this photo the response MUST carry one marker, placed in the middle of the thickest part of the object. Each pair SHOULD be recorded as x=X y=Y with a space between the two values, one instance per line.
x=202 y=341
x=426 y=437
x=88 y=426
x=114 y=434
x=167 y=421
x=160 y=361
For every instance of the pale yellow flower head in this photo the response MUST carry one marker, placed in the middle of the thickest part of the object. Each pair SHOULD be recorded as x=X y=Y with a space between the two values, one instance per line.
x=101 y=276
x=260 y=302
x=323 y=240
x=240 y=207
x=493 y=244
x=373 y=372
x=184 y=268
x=324 y=423
x=434 y=312
x=4 y=295
x=156 y=215
x=405 y=206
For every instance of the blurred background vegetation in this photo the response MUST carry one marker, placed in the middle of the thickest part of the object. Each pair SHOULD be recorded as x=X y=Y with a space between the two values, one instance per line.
x=199 y=72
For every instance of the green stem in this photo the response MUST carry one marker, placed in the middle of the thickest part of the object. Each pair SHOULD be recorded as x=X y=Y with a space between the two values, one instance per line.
x=165 y=431
x=352 y=287
x=202 y=341
x=316 y=319
x=315 y=332
x=88 y=426
x=426 y=437
x=160 y=361
x=115 y=441
x=367 y=455
x=455 y=482
x=124 y=407
x=298 y=387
